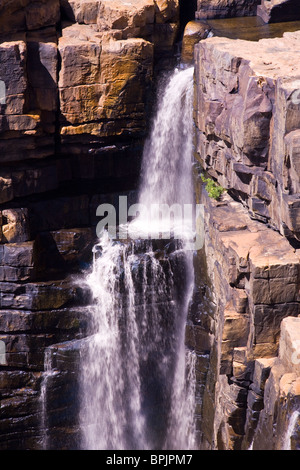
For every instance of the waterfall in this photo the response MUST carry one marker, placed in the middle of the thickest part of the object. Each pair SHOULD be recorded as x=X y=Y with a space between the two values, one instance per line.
x=289 y=432
x=137 y=378
x=166 y=169
x=48 y=373
x=166 y=192
x=110 y=375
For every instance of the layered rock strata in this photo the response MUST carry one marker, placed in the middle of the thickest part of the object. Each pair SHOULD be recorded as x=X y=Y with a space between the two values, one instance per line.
x=246 y=119
x=273 y=418
x=75 y=99
x=225 y=8
x=154 y=21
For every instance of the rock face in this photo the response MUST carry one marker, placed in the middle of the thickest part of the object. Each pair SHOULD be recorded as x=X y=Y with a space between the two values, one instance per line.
x=75 y=93
x=245 y=327
x=105 y=93
x=272 y=11
x=247 y=124
x=194 y=32
x=276 y=387
x=155 y=21
x=24 y=15
x=248 y=118
x=225 y=8
x=76 y=82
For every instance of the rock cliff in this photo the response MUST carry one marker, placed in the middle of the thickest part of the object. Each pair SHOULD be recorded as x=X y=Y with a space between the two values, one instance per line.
x=249 y=115
x=225 y=8
x=76 y=81
x=247 y=119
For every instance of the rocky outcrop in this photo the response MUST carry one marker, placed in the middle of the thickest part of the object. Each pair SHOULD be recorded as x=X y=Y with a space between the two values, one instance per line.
x=194 y=32
x=272 y=11
x=273 y=418
x=225 y=8
x=104 y=94
x=28 y=15
x=248 y=119
x=238 y=329
x=155 y=21
x=247 y=123
x=75 y=99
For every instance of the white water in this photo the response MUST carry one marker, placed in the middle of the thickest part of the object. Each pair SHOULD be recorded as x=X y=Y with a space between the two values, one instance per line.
x=138 y=380
x=291 y=428
x=166 y=172
x=48 y=373
x=166 y=182
x=108 y=370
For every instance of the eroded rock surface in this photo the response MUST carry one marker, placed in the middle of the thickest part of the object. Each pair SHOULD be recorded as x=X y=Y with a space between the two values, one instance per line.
x=75 y=99
x=194 y=32
x=272 y=11
x=248 y=121
x=247 y=324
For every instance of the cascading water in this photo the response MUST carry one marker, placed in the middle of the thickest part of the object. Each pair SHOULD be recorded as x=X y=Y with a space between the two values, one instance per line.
x=137 y=379
x=289 y=432
x=166 y=171
x=48 y=374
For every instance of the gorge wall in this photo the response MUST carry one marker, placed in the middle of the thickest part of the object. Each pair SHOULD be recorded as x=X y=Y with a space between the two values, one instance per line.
x=76 y=91
x=76 y=88
x=247 y=119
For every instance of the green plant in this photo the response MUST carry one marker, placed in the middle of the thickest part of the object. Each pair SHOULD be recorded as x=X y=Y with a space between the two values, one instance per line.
x=214 y=190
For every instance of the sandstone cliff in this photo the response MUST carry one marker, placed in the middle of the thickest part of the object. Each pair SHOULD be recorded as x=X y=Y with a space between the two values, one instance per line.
x=76 y=81
x=75 y=87
x=247 y=118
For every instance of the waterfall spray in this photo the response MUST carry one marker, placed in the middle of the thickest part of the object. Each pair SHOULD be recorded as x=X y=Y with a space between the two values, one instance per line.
x=137 y=379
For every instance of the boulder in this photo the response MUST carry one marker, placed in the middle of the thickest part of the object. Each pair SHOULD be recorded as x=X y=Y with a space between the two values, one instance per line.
x=107 y=96
x=194 y=32
x=21 y=15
